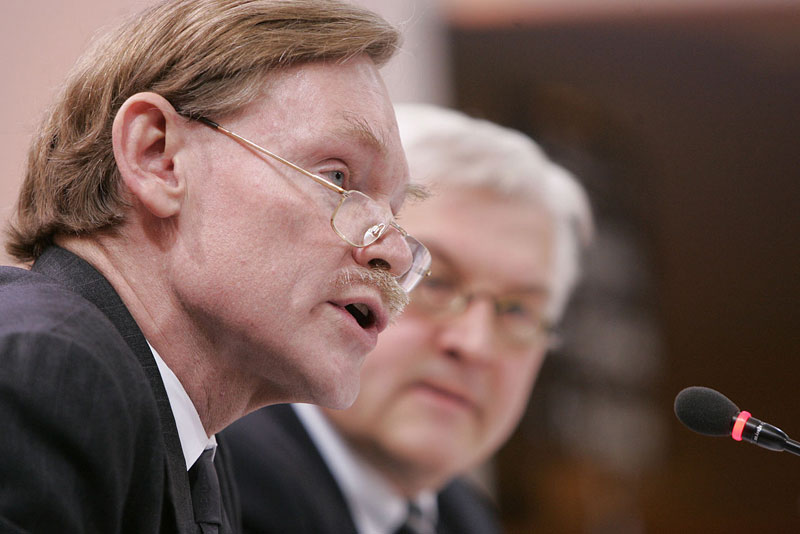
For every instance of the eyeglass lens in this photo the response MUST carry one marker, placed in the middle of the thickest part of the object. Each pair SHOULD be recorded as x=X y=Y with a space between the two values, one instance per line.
x=361 y=221
x=518 y=318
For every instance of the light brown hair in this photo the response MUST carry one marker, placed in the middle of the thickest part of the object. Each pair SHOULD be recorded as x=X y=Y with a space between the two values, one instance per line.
x=206 y=57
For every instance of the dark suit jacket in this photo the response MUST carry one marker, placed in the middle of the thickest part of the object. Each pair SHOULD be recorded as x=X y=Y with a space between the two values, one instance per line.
x=286 y=487
x=88 y=440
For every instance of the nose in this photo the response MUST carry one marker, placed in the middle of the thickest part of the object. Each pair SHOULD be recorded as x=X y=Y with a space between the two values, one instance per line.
x=470 y=334
x=390 y=252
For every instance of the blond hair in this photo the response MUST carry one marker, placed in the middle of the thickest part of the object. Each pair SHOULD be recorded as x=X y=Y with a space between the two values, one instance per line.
x=206 y=57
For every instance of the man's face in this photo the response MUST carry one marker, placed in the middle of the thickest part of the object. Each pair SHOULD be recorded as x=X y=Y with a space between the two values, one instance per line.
x=439 y=395
x=260 y=268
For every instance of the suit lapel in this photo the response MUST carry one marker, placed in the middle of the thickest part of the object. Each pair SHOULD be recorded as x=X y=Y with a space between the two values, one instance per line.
x=463 y=510
x=327 y=491
x=276 y=462
x=80 y=277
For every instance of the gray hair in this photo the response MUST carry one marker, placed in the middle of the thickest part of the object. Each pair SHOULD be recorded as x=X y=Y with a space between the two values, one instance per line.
x=448 y=148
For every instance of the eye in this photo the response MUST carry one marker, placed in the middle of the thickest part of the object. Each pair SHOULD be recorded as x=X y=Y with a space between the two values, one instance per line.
x=515 y=308
x=438 y=283
x=435 y=294
x=337 y=177
x=437 y=289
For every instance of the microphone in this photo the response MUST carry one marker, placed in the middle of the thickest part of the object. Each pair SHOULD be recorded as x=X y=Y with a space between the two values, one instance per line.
x=711 y=413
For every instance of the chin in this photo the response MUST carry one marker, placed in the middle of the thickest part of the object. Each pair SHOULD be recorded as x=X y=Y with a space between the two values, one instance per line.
x=340 y=402
x=329 y=379
x=435 y=451
x=338 y=393
x=436 y=462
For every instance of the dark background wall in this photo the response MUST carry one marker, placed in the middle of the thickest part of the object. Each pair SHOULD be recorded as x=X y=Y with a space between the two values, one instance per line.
x=685 y=128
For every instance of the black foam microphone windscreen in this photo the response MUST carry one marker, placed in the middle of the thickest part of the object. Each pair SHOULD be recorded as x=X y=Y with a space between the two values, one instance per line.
x=705 y=411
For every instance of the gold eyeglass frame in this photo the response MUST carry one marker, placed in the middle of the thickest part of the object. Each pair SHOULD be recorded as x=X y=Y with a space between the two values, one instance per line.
x=375 y=231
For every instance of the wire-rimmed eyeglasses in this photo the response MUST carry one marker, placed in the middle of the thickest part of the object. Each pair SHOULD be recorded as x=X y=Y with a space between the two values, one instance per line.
x=358 y=220
x=519 y=320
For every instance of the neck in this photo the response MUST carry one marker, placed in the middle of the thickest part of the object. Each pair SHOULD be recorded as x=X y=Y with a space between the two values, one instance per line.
x=140 y=276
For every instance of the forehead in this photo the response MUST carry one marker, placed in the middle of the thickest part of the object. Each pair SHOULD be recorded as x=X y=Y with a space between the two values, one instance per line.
x=495 y=242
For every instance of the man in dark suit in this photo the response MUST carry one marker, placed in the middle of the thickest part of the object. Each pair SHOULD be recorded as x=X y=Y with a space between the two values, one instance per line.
x=449 y=381
x=183 y=275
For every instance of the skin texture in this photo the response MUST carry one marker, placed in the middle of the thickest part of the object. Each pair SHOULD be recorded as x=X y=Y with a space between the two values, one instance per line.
x=227 y=260
x=439 y=395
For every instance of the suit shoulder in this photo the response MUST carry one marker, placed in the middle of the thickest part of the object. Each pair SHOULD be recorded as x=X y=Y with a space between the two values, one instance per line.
x=32 y=305
x=51 y=338
x=81 y=428
x=30 y=301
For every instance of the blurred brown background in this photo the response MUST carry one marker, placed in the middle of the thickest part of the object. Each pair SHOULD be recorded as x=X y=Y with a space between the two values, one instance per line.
x=685 y=126
x=682 y=119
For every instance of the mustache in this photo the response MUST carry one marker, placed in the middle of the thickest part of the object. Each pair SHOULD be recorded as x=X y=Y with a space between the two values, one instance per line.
x=394 y=297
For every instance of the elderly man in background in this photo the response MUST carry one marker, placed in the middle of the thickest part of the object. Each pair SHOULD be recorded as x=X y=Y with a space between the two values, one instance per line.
x=448 y=383
x=209 y=209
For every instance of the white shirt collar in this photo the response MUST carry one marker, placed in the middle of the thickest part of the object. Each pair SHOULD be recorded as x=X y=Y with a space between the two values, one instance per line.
x=376 y=507
x=194 y=439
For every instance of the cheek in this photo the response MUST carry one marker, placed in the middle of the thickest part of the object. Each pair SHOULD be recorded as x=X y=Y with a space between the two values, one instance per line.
x=393 y=358
x=277 y=239
x=511 y=387
x=398 y=345
x=388 y=368
x=253 y=201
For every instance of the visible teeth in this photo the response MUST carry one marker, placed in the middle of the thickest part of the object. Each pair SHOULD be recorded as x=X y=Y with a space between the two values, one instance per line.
x=362 y=308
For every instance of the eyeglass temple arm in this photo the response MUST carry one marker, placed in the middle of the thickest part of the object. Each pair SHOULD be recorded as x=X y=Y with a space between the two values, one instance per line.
x=247 y=142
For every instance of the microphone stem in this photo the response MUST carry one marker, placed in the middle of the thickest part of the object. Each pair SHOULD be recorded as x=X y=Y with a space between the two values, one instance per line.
x=792 y=446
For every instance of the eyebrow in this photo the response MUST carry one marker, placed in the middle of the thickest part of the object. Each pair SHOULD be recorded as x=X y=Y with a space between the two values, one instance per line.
x=418 y=192
x=358 y=128
x=441 y=256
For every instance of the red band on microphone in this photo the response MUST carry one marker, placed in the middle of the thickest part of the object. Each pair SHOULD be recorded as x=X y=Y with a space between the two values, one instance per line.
x=738 y=426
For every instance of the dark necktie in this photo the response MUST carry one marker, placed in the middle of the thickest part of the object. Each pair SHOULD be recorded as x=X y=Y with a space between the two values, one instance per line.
x=206 y=496
x=416 y=522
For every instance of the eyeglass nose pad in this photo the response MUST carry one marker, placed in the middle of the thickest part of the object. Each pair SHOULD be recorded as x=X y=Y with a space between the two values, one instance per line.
x=373 y=233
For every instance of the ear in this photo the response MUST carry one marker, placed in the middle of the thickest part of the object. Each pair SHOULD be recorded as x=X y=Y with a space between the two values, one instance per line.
x=146 y=135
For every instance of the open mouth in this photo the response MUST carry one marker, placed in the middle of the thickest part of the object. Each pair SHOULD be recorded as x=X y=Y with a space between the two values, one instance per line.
x=362 y=314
